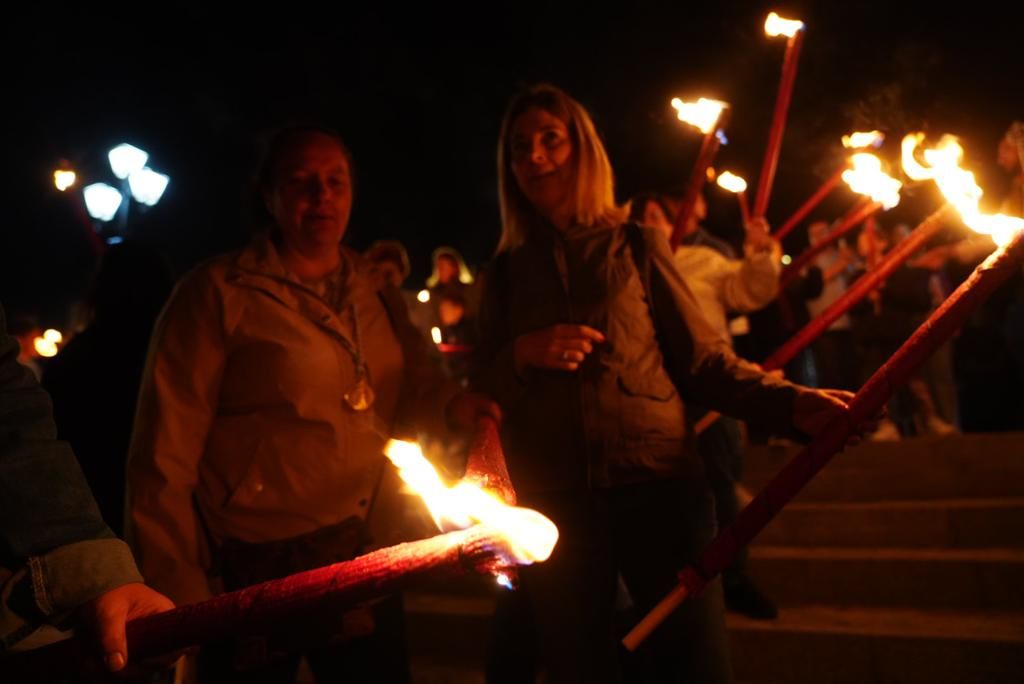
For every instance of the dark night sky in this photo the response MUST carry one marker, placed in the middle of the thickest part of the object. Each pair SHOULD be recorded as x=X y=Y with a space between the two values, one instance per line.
x=418 y=96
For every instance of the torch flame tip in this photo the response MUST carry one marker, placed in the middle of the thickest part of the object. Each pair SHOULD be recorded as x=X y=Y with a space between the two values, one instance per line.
x=860 y=139
x=775 y=25
x=704 y=113
x=865 y=176
x=530 y=536
x=731 y=182
x=958 y=186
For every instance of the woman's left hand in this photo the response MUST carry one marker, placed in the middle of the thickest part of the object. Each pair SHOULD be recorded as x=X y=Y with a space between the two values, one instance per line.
x=814 y=409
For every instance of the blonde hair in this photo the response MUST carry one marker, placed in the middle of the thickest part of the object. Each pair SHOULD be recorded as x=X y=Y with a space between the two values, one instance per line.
x=593 y=179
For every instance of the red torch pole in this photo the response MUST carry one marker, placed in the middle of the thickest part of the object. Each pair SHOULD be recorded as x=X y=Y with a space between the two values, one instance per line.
x=812 y=202
x=866 y=284
x=708 y=150
x=486 y=464
x=853 y=218
x=741 y=197
x=447 y=348
x=782 y=100
x=97 y=244
x=939 y=327
x=275 y=607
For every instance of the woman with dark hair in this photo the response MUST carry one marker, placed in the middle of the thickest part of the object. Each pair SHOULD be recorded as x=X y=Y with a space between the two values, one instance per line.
x=594 y=347
x=275 y=376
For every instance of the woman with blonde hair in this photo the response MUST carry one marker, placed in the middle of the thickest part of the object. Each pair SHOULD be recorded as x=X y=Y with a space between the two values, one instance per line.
x=593 y=346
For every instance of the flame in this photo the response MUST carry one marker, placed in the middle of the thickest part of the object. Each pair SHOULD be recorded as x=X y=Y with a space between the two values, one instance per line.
x=732 y=182
x=46 y=344
x=423 y=296
x=862 y=139
x=44 y=347
x=703 y=113
x=435 y=334
x=957 y=185
x=531 y=536
x=775 y=25
x=867 y=178
x=64 y=179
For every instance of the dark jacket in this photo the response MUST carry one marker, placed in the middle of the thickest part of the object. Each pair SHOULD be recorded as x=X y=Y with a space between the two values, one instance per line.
x=622 y=417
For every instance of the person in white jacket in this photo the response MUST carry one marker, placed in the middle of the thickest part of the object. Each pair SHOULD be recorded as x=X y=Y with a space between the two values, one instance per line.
x=722 y=282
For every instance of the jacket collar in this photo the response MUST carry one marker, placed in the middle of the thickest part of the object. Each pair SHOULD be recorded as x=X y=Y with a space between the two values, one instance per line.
x=261 y=259
x=259 y=266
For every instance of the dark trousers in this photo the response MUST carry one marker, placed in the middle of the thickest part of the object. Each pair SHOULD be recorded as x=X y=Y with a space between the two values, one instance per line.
x=376 y=657
x=721 y=448
x=645 y=534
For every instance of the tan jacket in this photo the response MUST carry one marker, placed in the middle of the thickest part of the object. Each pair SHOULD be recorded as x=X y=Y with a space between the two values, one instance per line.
x=242 y=430
x=622 y=416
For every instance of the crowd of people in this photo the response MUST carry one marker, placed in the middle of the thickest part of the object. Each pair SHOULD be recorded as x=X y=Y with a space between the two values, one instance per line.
x=269 y=379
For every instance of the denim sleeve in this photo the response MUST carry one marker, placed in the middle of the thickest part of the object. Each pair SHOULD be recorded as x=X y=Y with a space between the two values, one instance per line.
x=49 y=587
x=53 y=542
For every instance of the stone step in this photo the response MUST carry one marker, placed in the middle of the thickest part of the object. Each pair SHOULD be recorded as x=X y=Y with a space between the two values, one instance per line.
x=427 y=670
x=854 y=645
x=951 y=467
x=449 y=636
x=957 y=579
x=948 y=523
